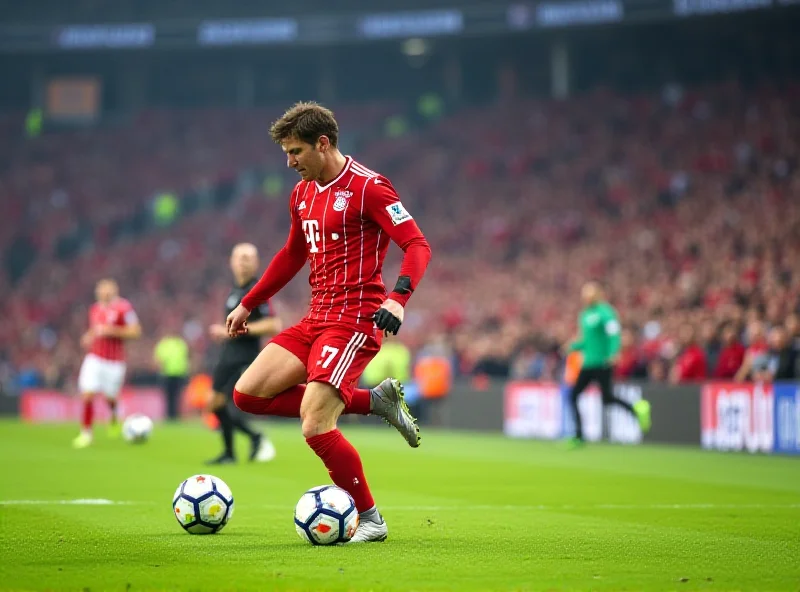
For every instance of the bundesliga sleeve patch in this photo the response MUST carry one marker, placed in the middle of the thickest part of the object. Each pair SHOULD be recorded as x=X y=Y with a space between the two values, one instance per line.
x=398 y=213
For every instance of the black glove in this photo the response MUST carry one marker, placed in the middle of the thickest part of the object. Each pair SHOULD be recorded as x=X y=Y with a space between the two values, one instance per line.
x=386 y=321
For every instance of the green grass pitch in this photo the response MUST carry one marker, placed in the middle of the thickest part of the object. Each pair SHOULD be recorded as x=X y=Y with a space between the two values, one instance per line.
x=465 y=512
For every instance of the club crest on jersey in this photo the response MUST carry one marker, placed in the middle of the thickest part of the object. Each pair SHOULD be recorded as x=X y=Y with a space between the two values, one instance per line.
x=342 y=196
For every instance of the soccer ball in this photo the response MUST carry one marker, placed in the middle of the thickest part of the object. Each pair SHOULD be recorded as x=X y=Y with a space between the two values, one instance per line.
x=326 y=515
x=203 y=504
x=137 y=428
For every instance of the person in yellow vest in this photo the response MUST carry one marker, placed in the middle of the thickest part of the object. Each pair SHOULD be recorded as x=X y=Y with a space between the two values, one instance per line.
x=393 y=359
x=172 y=356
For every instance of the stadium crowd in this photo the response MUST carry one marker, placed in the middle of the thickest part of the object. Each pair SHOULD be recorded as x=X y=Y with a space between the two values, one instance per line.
x=685 y=204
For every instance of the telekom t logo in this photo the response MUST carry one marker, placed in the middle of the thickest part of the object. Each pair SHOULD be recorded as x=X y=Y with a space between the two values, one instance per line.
x=311 y=229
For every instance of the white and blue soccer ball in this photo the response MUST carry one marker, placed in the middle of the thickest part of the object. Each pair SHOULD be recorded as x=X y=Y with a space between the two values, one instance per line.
x=137 y=428
x=326 y=515
x=203 y=504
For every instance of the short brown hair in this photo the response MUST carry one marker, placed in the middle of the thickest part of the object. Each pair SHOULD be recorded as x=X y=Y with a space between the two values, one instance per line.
x=306 y=121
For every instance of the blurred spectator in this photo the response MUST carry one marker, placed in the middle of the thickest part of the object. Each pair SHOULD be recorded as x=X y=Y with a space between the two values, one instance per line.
x=629 y=364
x=690 y=365
x=172 y=357
x=757 y=346
x=731 y=355
x=709 y=341
x=779 y=362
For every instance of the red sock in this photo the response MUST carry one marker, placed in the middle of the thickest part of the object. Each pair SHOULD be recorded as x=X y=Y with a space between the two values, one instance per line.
x=344 y=465
x=287 y=403
x=359 y=402
x=88 y=414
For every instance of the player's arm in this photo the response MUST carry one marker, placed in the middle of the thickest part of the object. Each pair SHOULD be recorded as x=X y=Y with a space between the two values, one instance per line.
x=612 y=329
x=132 y=329
x=87 y=338
x=284 y=266
x=576 y=345
x=383 y=206
x=744 y=370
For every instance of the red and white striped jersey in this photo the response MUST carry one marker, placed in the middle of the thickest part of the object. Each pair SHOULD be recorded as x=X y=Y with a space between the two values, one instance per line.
x=117 y=313
x=346 y=226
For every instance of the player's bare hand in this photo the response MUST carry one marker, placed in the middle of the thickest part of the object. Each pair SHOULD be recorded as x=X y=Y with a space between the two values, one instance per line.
x=389 y=317
x=218 y=332
x=102 y=331
x=236 y=322
x=86 y=339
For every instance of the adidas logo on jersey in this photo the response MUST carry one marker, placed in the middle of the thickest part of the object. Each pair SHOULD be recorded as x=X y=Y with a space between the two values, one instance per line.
x=302 y=206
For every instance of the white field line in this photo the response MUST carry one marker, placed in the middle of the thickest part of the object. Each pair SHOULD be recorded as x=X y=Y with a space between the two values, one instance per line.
x=454 y=507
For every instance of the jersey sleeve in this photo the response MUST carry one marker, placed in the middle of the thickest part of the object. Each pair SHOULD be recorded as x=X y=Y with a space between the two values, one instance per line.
x=127 y=314
x=382 y=205
x=284 y=265
x=613 y=331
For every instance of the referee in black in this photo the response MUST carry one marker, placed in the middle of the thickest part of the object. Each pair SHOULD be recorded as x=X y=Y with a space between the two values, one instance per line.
x=237 y=353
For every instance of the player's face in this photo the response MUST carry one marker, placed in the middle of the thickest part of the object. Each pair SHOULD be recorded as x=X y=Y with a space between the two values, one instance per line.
x=105 y=292
x=589 y=294
x=305 y=158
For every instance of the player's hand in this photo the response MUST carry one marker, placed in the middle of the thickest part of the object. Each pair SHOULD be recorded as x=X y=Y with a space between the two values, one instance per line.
x=389 y=317
x=236 y=323
x=218 y=332
x=86 y=339
x=102 y=331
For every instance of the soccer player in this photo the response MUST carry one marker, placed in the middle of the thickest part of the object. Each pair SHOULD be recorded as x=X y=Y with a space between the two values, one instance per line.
x=112 y=321
x=599 y=342
x=238 y=352
x=343 y=216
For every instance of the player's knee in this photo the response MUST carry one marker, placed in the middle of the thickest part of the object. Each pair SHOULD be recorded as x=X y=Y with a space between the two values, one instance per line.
x=314 y=424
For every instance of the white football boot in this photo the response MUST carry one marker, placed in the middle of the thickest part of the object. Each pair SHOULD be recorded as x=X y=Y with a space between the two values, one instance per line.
x=370 y=532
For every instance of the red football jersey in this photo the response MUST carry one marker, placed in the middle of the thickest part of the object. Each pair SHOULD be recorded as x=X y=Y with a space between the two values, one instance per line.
x=117 y=313
x=345 y=228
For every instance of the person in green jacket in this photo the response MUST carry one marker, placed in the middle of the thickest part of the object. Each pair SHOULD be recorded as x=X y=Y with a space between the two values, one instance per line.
x=599 y=342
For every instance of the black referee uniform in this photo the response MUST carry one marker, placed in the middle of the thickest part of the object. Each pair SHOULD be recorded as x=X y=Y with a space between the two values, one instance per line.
x=236 y=354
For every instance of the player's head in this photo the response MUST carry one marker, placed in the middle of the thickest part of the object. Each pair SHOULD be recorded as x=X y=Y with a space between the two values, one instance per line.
x=591 y=293
x=755 y=332
x=778 y=338
x=730 y=334
x=244 y=261
x=106 y=290
x=309 y=135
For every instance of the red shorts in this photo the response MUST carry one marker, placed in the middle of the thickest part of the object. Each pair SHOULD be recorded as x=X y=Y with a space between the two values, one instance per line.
x=332 y=353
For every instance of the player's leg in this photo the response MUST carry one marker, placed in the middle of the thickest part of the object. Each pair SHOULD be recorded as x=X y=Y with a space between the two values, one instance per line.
x=584 y=379
x=113 y=374
x=337 y=360
x=640 y=410
x=223 y=378
x=387 y=401
x=261 y=447
x=274 y=383
x=217 y=405
x=279 y=369
x=319 y=412
x=88 y=386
